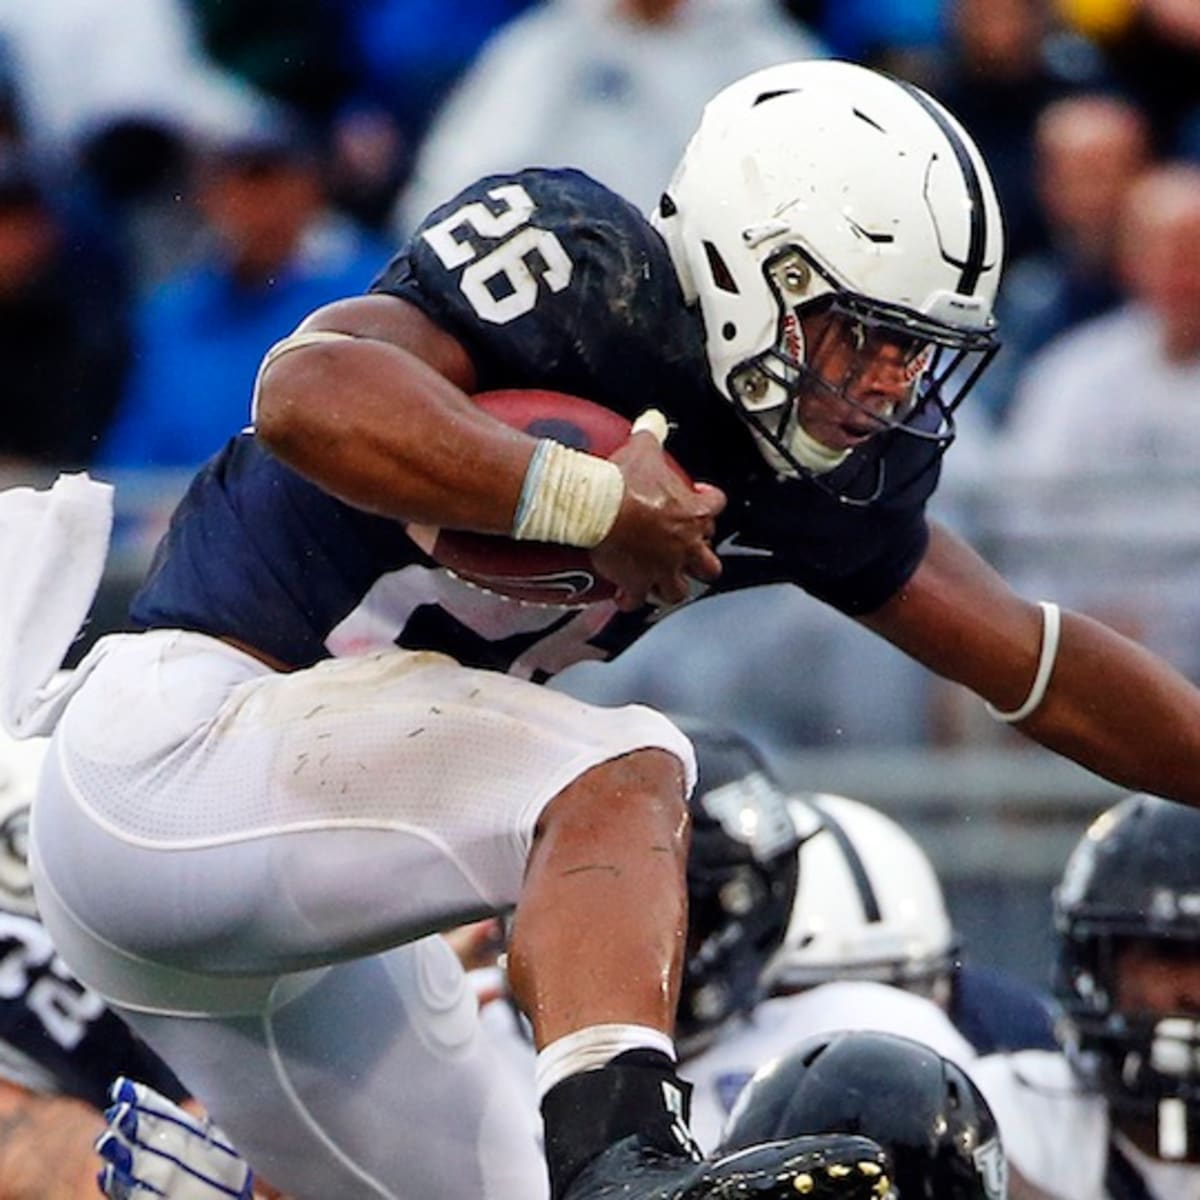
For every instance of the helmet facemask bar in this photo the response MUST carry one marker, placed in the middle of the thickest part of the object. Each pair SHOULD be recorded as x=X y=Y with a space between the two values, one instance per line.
x=771 y=389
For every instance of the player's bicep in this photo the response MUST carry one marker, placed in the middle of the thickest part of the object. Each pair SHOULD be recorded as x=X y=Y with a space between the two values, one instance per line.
x=384 y=318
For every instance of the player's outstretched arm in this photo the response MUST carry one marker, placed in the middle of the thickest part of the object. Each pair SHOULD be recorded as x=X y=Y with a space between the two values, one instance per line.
x=1109 y=704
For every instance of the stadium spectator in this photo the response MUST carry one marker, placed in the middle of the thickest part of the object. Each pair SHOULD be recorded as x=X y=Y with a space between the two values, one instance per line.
x=1121 y=1092
x=1001 y=67
x=272 y=248
x=64 y=325
x=1106 y=406
x=81 y=67
x=316 y=719
x=613 y=87
x=1152 y=49
x=1089 y=149
x=108 y=96
x=289 y=50
x=406 y=55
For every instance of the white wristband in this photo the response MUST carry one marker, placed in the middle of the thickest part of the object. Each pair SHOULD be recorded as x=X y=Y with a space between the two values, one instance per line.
x=568 y=497
x=1051 y=620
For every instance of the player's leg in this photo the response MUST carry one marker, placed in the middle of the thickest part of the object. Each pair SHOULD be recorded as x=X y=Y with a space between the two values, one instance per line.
x=600 y=927
x=373 y=1081
x=594 y=959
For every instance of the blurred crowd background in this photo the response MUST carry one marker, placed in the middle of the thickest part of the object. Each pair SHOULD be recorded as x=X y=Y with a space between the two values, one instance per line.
x=181 y=181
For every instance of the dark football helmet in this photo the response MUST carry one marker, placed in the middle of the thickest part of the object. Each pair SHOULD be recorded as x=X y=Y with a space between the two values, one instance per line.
x=742 y=872
x=1134 y=876
x=919 y=1106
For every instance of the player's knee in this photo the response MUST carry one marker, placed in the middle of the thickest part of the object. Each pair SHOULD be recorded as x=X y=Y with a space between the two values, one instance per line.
x=644 y=790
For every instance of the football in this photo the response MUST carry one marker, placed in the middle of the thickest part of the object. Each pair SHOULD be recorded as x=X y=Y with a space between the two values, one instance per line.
x=535 y=572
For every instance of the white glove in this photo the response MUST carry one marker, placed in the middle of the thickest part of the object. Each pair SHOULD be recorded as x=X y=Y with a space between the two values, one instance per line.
x=152 y=1147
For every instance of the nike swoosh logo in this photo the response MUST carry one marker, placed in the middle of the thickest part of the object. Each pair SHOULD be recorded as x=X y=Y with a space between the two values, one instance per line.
x=730 y=547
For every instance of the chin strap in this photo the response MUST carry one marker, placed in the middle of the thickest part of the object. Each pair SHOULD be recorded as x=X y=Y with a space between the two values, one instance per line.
x=814 y=455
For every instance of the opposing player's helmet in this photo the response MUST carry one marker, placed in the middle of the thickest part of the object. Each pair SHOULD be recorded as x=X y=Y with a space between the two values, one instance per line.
x=20 y=765
x=741 y=875
x=922 y=1108
x=823 y=186
x=868 y=905
x=1134 y=876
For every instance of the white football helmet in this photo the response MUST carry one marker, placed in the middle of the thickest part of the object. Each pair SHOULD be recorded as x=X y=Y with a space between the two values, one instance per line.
x=868 y=905
x=823 y=186
x=20 y=765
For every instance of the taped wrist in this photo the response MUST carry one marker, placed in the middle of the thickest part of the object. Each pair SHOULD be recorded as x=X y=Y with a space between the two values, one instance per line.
x=568 y=497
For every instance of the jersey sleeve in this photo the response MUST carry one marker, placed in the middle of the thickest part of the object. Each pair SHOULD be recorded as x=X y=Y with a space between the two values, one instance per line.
x=549 y=280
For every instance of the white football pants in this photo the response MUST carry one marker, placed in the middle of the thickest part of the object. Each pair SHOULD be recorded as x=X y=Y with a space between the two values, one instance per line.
x=242 y=862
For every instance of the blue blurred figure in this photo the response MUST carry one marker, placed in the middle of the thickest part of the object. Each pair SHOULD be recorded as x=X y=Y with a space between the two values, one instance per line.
x=273 y=248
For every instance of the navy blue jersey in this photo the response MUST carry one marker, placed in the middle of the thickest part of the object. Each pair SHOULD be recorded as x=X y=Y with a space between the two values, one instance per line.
x=998 y=1013
x=551 y=281
x=57 y=1036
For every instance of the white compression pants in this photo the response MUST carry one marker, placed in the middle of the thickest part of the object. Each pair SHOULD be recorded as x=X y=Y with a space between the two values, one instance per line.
x=242 y=862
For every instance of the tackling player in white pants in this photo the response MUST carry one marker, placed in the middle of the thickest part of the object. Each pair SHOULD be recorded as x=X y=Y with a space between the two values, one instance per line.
x=294 y=1026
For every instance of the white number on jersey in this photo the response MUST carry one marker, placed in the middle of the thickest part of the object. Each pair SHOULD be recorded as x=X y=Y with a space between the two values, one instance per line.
x=30 y=968
x=503 y=284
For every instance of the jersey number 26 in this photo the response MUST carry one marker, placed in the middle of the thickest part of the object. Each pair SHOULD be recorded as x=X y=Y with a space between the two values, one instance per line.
x=501 y=284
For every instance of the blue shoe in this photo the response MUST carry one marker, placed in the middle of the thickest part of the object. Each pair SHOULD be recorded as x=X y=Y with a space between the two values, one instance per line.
x=828 y=1167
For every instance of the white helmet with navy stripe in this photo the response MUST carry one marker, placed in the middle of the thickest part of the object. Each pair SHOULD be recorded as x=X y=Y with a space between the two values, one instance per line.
x=826 y=183
x=20 y=765
x=869 y=904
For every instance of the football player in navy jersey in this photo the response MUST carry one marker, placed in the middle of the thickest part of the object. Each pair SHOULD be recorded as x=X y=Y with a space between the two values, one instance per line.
x=59 y=1045
x=320 y=745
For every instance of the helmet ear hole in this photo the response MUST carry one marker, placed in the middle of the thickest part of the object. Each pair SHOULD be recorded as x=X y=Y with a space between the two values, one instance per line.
x=722 y=277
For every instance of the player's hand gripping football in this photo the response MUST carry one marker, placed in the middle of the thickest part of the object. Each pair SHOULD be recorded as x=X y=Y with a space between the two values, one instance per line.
x=662 y=535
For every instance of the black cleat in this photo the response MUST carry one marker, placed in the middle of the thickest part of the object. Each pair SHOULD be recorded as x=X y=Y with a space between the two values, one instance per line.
x=828 y=1167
